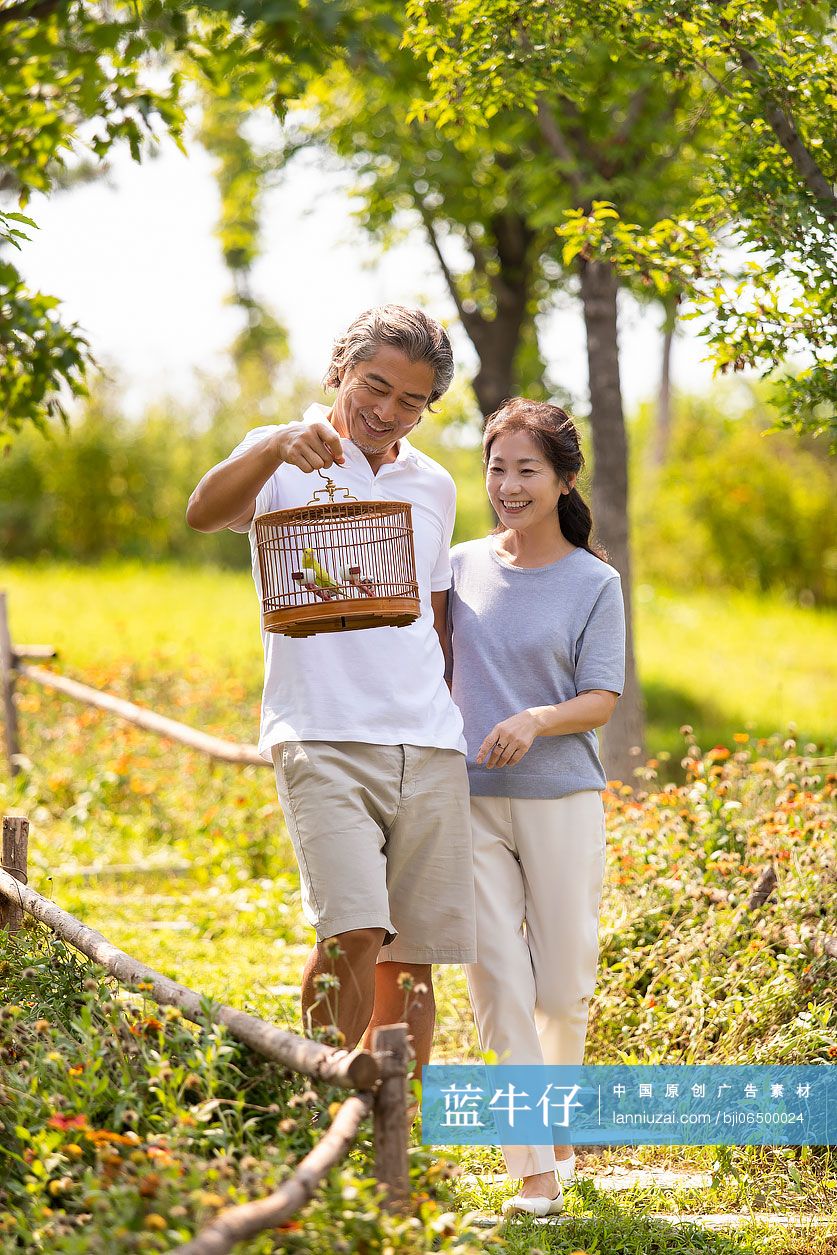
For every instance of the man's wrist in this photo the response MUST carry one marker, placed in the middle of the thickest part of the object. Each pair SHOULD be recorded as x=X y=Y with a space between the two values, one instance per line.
x=277 y=447
x=538 y=716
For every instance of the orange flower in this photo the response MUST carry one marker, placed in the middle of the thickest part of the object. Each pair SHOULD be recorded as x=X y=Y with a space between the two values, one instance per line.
x=149 y=1025
x=67 y=1122
x=149 y=1185
x=104 y=1137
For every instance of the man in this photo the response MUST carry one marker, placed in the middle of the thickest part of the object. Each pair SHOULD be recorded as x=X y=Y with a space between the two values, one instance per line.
x=365 y=739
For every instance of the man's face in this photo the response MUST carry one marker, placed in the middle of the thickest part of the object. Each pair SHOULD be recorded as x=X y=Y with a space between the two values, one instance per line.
x=380 y=400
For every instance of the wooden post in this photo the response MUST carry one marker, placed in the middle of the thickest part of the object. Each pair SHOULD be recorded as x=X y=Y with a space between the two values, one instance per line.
x=391 y=1049
x=7 y=681
x=767 y=882
x=14 y=860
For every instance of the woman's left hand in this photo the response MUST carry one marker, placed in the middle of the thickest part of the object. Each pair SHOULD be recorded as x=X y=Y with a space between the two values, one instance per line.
x=507 y=742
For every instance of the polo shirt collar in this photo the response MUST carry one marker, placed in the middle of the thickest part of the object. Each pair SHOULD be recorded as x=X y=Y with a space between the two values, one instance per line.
x=318 y=413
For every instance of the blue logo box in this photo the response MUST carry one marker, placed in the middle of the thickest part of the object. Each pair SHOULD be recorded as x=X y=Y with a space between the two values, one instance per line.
x=644 y=1104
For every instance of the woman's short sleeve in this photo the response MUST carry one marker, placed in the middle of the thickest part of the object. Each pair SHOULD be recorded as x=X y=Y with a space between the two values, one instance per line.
x=600 y=654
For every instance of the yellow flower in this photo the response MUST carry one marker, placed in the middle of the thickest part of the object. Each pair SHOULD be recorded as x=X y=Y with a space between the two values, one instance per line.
x=154 y=1221
x=208 y=1199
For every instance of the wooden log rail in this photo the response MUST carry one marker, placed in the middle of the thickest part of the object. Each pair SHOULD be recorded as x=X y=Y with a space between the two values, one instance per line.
x=245 y=1221
x=355 y=1070
x=13 y=664
x=380 y=1076
x=214 y=746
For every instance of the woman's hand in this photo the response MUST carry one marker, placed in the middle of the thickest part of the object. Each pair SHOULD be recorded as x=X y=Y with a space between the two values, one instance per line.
x=507 y=742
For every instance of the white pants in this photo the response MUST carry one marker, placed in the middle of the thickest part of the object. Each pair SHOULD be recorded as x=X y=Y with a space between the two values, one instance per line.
x=538 y=863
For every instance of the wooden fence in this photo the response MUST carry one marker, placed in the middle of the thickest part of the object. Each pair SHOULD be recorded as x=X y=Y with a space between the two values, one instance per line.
x=13 y=664
x=379 y=1077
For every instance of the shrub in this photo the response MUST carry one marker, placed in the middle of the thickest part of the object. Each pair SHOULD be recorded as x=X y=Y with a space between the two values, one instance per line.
x=736 y=506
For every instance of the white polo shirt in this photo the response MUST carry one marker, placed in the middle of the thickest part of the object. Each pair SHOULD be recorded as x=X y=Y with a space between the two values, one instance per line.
x=383 y=686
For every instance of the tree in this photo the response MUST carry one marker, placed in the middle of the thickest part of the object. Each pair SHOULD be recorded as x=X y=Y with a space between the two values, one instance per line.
x=766 y=75
x=68 y=70
x=78 y=77
x=261 y=348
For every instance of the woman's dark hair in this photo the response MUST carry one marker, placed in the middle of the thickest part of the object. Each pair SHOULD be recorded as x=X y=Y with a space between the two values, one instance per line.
x=555 y=433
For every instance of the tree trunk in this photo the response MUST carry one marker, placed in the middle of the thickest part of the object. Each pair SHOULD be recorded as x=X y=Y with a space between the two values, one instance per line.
x=623 y=736
x=662 y=426
x=496 y=343
x=497 y=340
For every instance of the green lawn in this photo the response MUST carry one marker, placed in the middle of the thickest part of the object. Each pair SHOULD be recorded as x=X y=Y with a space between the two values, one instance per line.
x=723 y=662
x=681 y=976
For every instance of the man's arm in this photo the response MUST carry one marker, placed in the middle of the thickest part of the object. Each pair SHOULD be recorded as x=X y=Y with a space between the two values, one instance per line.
x=439 y=602
x=226 y=496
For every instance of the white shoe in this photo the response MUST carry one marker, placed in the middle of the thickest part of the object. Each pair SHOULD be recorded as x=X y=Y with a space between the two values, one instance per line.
x=565 y=1168
x=536 y=1206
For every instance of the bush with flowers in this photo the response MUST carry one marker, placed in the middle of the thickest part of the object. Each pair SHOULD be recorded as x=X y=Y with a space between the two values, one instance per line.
x=123 y=1128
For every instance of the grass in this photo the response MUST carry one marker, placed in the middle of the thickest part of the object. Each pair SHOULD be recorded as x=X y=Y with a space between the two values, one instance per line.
x=720 y=661
x=686 y=973
x=725 y=661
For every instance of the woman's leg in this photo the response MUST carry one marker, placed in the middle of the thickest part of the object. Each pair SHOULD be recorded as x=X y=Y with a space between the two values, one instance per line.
x=561 y=844
x=501 y=983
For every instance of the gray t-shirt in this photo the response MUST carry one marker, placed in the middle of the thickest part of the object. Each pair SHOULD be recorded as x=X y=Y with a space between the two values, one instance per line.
x=524 y=637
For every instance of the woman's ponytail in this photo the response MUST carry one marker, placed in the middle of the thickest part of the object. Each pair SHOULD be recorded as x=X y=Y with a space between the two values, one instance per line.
x=575 y=519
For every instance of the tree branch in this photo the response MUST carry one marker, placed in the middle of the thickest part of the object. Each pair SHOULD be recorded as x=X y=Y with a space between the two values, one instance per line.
x=514 y=240
x=788 y=136
x=477 y=252
x=557 y=143
x=25 y=11
x=450 y=278
x=664 y=159
x=633 y=113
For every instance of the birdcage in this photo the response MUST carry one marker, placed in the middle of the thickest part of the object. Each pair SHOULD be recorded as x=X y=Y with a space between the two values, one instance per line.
x=337 y=566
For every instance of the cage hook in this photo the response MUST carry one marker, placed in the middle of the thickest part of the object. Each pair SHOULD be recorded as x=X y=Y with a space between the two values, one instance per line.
x=331 y=488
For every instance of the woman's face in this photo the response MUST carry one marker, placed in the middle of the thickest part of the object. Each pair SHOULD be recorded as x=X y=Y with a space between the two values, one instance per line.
x=522 y=486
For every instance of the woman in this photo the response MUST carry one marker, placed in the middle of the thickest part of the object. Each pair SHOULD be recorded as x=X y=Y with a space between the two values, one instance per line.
x=537 y=636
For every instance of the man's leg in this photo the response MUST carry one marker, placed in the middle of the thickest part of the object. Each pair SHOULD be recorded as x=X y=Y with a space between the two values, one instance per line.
x=395 y=1003
x=351 y=958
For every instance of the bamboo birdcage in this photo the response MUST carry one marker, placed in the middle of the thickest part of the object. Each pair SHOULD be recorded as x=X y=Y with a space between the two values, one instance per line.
x=337 y=566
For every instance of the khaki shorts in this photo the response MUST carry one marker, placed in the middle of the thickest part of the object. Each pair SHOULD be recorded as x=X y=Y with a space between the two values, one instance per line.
x=382 y=836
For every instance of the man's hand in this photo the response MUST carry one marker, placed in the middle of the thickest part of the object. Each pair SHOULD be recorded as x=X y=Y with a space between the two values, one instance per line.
x=226 y=496
x=310 y=446
x=507 y=742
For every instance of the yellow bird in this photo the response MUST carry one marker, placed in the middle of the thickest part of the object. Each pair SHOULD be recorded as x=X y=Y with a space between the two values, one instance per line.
x=321 y=577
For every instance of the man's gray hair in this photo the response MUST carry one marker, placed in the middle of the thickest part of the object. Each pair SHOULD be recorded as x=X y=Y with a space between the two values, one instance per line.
x=419 y=337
